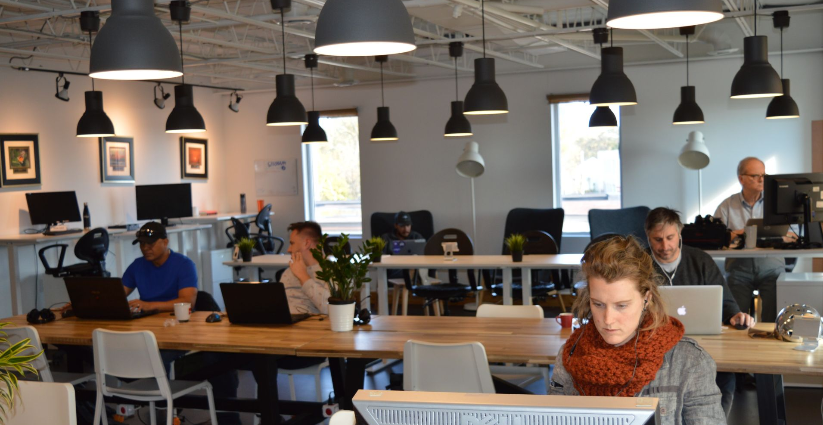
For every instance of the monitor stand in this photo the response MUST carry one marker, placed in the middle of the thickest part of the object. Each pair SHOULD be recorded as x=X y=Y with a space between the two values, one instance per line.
x=165 y=222
x=804 y=242
x=57 y=229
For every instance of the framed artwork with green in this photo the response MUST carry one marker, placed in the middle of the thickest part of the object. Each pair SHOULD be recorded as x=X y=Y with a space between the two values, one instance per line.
x=117 y=160
x=20 y=159
x=194 y=159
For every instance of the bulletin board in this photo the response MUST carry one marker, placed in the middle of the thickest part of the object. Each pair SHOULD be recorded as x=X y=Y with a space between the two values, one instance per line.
x=275 y=177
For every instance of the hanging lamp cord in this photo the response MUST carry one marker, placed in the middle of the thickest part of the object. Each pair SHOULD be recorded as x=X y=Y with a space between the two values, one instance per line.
x=781 y=55
x=382 y=98
x=183 y=77
x=687 y=60
x=483 y=20
x=755 y=17
x=283 y=33
x=311 y=72
x=457 y=96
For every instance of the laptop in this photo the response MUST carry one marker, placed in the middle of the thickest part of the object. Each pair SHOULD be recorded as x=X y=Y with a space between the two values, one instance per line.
x=698 y=307
x=772 y=230
x=101 y=298
x=408 y=247
x=254 y=303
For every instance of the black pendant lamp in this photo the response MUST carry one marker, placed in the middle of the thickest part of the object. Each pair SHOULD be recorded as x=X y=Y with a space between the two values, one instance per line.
x=688 y=112
x=313 y=132
x=94 y=122
x=756 y=78
x=383 y=130
x=286 y=109
x=458 y=125
x=134 y=45
x=782 y=107
x=184 y=118
x=612 y=87
x=603 y=117
x=485 y=97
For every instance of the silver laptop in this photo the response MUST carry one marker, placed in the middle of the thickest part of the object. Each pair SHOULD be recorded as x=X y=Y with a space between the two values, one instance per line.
x=408 y=247
x=772 y=230
x=698 y=307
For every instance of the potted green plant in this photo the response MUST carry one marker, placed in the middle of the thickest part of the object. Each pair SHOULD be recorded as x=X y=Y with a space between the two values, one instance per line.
x=345 y=274
x=11 y=362
x=375 y=247
x=516 y=242
x=246 y=247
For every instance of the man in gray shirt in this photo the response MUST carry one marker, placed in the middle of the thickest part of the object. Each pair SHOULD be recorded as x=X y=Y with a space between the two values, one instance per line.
x=748 y=274
x=684 y=265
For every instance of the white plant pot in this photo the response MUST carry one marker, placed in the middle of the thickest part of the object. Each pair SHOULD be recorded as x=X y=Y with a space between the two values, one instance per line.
x=341 y=317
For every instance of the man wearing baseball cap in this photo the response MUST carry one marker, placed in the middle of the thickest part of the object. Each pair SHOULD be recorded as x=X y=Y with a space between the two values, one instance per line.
x=162 y=276
x=402 y=231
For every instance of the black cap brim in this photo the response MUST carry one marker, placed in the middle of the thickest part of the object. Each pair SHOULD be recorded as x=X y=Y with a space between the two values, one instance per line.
x=144 y=240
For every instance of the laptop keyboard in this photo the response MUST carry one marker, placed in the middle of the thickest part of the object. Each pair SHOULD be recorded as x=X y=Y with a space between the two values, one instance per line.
x=143 y=313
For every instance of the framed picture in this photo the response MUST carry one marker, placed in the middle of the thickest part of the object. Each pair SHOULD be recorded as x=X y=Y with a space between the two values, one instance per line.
x=194 y=157
x=20 y=159
x=117 y=160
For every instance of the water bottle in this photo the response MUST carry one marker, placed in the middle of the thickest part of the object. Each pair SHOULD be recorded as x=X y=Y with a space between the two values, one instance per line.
x=242 y=203
x=86 y=217
x=757 y=306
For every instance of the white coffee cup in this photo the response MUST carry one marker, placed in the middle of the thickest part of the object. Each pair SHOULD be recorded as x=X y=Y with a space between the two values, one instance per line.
x=182 y=311
x=751 y=237
x=195 y=211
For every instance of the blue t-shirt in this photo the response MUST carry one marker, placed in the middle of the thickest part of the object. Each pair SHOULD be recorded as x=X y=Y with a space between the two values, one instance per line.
x=161 y=283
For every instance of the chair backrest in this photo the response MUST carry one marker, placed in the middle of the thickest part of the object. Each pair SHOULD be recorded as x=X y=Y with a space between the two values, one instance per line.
x=455 y=368
x=205 y=302
x=465 y=245
x=601 y=238
x=422 y=222
x=43 y=403
x=93 y=246
x=15 y=335
x=521 y=220
x=333 y=241
x=133 y=355
x=516 y=311
x=263 y=223
x=626 y=221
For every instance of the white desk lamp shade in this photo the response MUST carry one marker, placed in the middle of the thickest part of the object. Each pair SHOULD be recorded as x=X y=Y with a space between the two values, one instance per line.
x=695 y=155
x=471 y=164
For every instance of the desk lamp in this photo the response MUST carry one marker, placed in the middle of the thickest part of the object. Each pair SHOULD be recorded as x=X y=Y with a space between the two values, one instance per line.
x=695 y=156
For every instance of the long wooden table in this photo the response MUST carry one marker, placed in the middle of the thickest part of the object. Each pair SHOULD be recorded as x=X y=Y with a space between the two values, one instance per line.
x=535 y=341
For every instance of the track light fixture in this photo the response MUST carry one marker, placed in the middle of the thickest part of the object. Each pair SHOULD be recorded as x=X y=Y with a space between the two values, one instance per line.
x=286 y=109
x=160 y=100
x=782 y=107
x=313 y=133
x=234 y=102
x=184 y=118
x=94 y=122
x=62 y=94
x=688 y=112
x=458 y=125
x=383 y=130
x=756 y=78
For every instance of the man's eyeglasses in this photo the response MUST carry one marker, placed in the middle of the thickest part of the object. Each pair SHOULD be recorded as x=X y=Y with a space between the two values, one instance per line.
x=755 y=176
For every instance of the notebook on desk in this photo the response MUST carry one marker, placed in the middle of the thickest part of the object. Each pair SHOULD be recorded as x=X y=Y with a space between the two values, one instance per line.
x=101 y=298
x=254 y=303
x=698 y=307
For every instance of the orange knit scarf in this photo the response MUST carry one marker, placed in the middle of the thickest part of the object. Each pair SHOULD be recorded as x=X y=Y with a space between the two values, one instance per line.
x=601 y=369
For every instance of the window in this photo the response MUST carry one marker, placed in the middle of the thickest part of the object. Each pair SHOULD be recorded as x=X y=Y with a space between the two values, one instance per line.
x=331 y=173
x=587 y=163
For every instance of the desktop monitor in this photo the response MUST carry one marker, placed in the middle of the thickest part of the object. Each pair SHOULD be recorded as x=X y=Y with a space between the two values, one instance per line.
x=163 y=201
x=432 y=408
x=52 y=207
x=793 y=199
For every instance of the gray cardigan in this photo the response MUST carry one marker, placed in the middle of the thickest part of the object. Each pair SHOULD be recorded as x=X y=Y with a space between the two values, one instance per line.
x=684 y=386
x=698 y=268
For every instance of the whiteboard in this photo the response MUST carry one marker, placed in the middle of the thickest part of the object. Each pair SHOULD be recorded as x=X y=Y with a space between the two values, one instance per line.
x=275 y=177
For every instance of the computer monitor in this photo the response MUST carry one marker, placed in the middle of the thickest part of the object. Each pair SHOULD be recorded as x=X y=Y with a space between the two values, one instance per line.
x=432 y=408
x=51 y=208
x=163 y=201
x=793 y=199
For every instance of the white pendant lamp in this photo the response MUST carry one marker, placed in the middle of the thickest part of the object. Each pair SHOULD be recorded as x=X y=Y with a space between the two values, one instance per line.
x=363 y=28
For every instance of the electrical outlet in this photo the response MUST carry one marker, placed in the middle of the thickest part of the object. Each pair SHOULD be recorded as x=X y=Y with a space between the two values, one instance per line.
x=125 y=410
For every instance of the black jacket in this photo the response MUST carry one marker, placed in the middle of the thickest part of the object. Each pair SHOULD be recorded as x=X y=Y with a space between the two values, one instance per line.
x=698 y=268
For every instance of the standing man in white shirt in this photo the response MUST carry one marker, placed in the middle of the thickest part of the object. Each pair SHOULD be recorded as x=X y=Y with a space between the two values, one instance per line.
x=749 y=274
x=306 y=293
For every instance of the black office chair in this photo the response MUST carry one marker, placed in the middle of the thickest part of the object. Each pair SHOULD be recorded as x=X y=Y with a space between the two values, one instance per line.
x=537 y=243
x=626 y=221
x=263 y=223
x=333 y=241
x=422 y=222
x=453 y=290
x=522 y=220
x=265 y=243
x=91 y=248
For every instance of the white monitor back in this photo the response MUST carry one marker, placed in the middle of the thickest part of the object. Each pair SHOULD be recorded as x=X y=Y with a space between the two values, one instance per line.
x=430 y=408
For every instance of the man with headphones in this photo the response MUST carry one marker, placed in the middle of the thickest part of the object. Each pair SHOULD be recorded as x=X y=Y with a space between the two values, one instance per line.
x=685 y=265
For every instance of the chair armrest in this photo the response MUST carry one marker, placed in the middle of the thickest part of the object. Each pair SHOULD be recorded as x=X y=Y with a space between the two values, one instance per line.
x=59 y=269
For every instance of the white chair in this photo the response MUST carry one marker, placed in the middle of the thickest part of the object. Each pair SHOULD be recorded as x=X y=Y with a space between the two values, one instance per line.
x=15 y=335
x=134 y=355
x=43 y=403
x=311 y=370
x=521 y=312
x=459 y=368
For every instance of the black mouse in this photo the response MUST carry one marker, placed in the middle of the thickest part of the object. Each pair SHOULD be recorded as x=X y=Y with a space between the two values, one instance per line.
x=214 y=318
x=741 y=327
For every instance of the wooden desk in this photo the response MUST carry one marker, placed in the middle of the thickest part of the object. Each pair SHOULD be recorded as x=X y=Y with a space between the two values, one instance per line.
x=765 y=252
